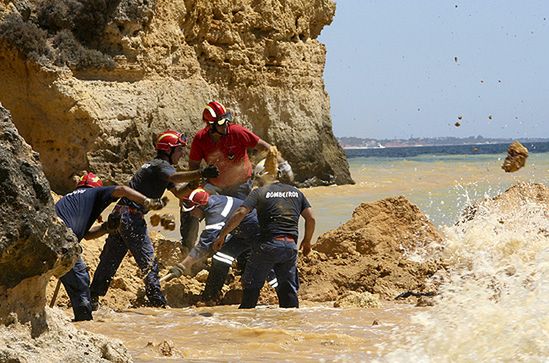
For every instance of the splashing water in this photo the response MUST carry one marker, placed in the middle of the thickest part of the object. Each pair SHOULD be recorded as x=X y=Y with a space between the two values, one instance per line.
x=493 y=305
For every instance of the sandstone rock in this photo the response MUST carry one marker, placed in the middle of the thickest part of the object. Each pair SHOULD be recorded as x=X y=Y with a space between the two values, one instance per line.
x=371 y=252
x=516 y=157
x=261 y=59
x=353 y=299
x=34 y=243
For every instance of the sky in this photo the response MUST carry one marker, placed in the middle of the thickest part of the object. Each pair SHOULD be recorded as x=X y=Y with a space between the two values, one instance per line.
x=400 y=69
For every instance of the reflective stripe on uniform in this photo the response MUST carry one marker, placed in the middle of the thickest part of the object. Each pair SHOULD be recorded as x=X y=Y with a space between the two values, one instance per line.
x=274 y=283
x=215 y=226
x=221 y=257
x=228 y=207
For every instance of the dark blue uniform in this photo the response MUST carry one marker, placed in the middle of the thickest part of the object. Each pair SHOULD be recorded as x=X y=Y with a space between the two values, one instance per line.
x=278 y=209
x=79 y=210
x=151 y=180
x=216 y=213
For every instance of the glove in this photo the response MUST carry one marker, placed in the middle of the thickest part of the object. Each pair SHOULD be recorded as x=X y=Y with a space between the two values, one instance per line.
x=210 y=171
x=155 y=204
x=285 y=169
x=167 y=221
x=112 y=223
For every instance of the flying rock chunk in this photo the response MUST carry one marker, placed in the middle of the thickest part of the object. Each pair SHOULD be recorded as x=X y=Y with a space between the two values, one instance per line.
x=516 y=157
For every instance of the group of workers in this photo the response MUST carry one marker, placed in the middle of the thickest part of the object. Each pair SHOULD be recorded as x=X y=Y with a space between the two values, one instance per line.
x=260 y=224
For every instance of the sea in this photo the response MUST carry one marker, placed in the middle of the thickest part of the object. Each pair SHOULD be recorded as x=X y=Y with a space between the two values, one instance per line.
x=493 y=307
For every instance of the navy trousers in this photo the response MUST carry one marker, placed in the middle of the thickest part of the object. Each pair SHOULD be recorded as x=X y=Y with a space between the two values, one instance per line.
x=77 y=285
x=281 y=256
x=131 y=235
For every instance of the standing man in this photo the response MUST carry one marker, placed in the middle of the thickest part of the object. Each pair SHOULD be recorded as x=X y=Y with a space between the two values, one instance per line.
x=225 y=145
x=278 y=208
x=79 y=210
x=152 y=180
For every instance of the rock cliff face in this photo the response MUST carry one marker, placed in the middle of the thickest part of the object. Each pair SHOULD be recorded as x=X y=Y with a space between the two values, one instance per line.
x=259 y=58
x=34 y=244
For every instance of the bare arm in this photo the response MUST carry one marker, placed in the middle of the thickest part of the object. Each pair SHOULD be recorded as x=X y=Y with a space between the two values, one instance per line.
x=185 y=176
x=127 y=192
x=310 y=222
x=232 y=223
x=96 y=231
x=194 y=164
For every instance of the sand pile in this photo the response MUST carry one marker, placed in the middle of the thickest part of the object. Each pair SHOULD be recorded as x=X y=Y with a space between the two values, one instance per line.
x=376 y=252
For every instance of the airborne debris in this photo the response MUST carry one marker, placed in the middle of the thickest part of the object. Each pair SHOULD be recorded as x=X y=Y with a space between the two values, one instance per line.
x=489 y=117
x=457 y=124
x=516 y=157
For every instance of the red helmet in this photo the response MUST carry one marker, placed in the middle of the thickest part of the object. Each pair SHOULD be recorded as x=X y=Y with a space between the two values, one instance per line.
x=198 y=197
x=89 y=180
x=215 y=111
x=169 y=139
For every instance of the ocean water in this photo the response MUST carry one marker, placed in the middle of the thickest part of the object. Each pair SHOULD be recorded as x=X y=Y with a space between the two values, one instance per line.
x=492 y=306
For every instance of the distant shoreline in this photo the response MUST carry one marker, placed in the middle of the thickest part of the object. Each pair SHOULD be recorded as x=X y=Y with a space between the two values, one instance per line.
x=388 y=146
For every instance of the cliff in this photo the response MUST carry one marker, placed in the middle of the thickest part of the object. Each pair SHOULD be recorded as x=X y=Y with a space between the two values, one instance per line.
x=90 y=87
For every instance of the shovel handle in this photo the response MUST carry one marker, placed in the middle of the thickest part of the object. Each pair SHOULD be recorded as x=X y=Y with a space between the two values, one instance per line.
x=55 y=293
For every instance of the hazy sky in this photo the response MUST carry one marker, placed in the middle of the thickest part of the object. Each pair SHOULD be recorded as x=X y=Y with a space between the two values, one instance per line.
x=411 y=68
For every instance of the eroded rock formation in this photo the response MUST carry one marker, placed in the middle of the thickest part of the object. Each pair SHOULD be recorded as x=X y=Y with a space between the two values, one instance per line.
x=262 y=59
x=34 y=245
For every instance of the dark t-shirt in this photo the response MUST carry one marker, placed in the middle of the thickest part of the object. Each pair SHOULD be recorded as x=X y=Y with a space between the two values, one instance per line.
x=278 y=209
x=151 y=180
x=80 y=208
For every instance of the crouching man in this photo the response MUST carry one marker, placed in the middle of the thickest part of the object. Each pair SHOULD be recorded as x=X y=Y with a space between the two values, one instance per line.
x=278 y=208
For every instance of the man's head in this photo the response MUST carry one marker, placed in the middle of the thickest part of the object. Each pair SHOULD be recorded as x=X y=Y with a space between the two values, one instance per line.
x=89 y=180
x=195 y=202
x=171 y=144
x=217 y=117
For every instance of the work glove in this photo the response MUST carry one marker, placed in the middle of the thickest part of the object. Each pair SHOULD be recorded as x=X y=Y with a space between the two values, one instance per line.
x=284 y=169
x=167 y=221
x=155 y=203
x=178 y=270
x=112 y=223
x=210 y=171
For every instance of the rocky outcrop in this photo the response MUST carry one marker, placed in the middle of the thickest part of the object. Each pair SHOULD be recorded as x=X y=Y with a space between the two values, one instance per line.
x=262 y=59
x=382 y=250
x=34 y=245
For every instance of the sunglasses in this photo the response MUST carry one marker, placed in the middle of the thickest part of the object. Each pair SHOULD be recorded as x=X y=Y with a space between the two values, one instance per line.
x=228 y=117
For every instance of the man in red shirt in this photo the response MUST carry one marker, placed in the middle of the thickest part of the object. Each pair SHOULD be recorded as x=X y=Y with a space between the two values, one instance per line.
x=225 y=145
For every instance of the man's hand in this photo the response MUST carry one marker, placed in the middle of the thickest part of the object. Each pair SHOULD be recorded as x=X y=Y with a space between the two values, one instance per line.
x=218 y=243
x=209 y=172
x=155 y=203
x=285 y=169
x=306 y=246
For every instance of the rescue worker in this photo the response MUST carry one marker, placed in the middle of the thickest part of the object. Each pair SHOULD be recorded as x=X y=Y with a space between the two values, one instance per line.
x=79 y=210
x=225 y=145
x=152 y=179
x=278 y=208
x=215 y=209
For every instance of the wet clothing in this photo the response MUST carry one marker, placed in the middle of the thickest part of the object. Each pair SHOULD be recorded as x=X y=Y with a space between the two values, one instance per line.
x=152 y=180
x=217 y=211
x=278 y=208
x=229 y=154
x=79 y=210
